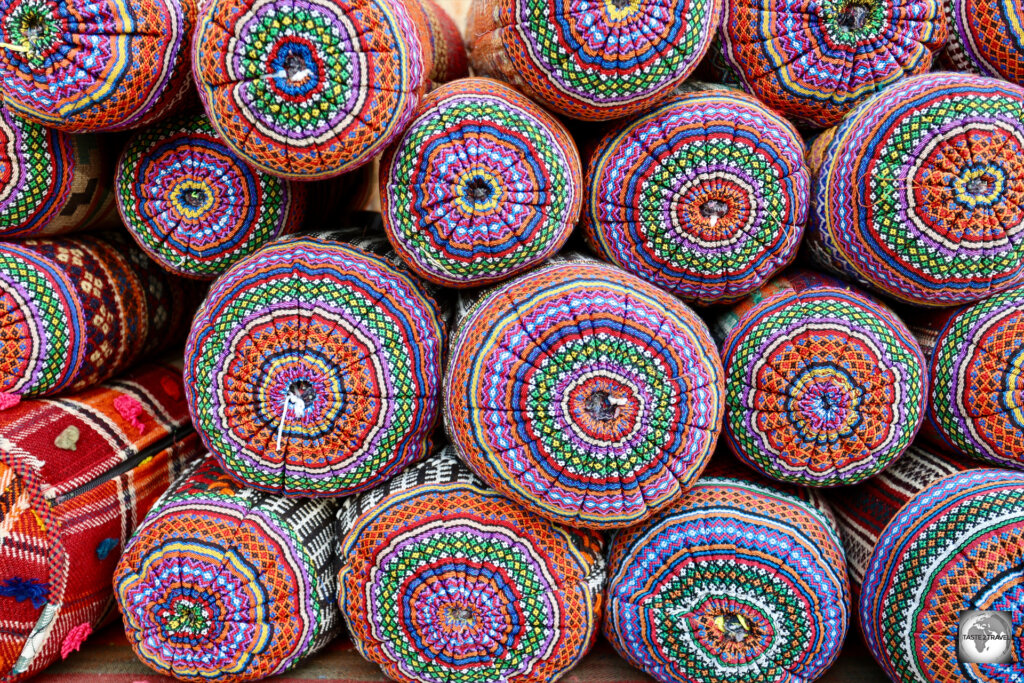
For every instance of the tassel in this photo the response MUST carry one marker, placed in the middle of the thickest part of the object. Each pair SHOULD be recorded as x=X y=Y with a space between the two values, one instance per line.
x=75 y=638
x=25 y=589
x=130 y=409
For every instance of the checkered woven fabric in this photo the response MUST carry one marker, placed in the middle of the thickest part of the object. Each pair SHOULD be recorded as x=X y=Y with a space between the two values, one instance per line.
x=313 y=368
x=308 y=89
x=446 y=581
x=193 y=205
x=976 y=359
x=957 y=543
x=483 y=185
x=815 y=61
x=738 y=581
x=591 y=60
x=824 y=385
x=918 y=192
x=705 y=196
x=76 y=311
x=226 y=583
x=986 y=38
x=95 y=65
x=444 y=53
x=584 y=393
x=76 y=477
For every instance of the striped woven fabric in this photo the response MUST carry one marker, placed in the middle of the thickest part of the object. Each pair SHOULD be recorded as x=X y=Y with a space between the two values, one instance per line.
x=76 y=311
x=824 y=385
x=313 y=367
x=193 y=205
x=591 y=60
x=444 y=53
x=226 y=583
x=584 y=393
x=308 y=89
x=986 y=38
x=737 y=581
x=77 y=474
x=52 y=183
x=484 y=184
x=943 y=541
x=975 y=354
x=446 y=581
x=815 y=61
x=705 y=196
x=95 y=65
x=918 y=191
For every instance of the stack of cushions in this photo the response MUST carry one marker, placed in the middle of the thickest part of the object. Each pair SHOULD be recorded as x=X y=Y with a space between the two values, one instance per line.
x=483 y=185
x=314 y=368
x=591 y=60
x=986 y=38
x=226 y=583
x=76 y=477
x=705 y=196
x=308 y=90
x=938 y=540
x=95 y=65
x=444 y=53
x=77 y=311
x=918 y=192
x=584 y=393
x=975 y=354
x=737 y=581
x=815 y=61
x=193 y=205
x=52 y=183
x=824 y=385
x=445 y=581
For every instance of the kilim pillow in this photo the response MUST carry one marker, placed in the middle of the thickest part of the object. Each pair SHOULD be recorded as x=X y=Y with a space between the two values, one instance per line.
x=77 y=475
x=226 y=583
x=584 y=393
x=444 y=53
x=446 y=581
x=986 y=38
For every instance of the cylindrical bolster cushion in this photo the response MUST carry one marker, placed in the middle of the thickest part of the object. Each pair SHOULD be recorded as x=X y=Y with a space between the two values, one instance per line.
x=227 y=583
x=737 y=581
x=77 y=475
x=584 y=393
x=815 y=62
x=444 y=51
x=705 y=196
x=76 y=311
x=825 y=386
x=313 y=368
x=484 y=184
x=53 y=183
x=986 y=38
x=446 y=581
x=918 y=194
x=193 y=205
x=308 y=89
x=591 y=60
x=95 y=65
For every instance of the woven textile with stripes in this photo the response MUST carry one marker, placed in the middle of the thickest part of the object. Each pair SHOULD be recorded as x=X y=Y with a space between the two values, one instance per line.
x=815 y=61
x=77 y=475
x=51 y=182
x=584 y=393
x=484 y=184
x=986 y=38
x=941 y=541
x=444 y=580
x=920 y=191
x=444 y=53
x=705 y=196
x=95 y=65
x=76 y=311
x=976 y=355
x=738 y=581
x=226 y=583
x=308 y=89
x=193 y=205
x=591 y=60
x=313 y=368
x=824 y=385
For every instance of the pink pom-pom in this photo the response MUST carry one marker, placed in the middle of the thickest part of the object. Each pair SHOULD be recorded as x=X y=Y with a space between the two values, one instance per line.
x=75 y=638
x=9 y=400
x=130 y=409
